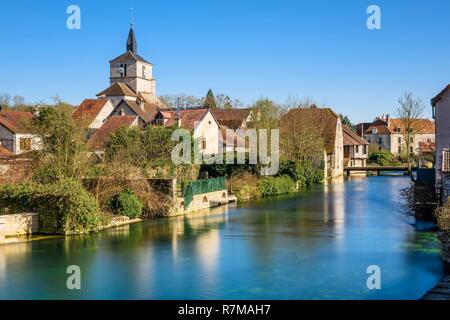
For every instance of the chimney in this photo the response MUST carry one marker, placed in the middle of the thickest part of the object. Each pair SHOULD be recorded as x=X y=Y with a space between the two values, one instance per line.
x=387 y=119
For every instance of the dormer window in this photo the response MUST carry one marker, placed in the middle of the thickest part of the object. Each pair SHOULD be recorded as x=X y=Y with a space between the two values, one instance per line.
x=374 y=131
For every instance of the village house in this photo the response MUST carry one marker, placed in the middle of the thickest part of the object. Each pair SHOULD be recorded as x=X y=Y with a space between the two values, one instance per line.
x=441 y=113
x=328 y=126
x=14 y=134
x=355 y=148
x=200 y=122
x=93 y=112
x=389 y=134
x=100 y=137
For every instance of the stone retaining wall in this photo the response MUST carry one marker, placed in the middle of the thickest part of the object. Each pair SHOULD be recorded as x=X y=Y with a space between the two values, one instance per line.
x=18 y=224
x=203 y=201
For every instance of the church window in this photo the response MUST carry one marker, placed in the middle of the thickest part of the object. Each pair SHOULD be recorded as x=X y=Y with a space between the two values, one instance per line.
x=123 y=69
x=143 y=72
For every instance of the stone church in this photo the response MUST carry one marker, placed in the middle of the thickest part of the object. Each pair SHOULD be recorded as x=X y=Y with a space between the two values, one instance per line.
x=132 y=87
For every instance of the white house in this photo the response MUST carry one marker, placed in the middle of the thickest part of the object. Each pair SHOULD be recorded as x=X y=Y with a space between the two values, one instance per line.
x=14 y=134
x=200 y=122
x=93 y=112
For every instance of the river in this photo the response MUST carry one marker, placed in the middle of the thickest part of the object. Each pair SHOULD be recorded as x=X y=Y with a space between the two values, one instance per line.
x=316 y=244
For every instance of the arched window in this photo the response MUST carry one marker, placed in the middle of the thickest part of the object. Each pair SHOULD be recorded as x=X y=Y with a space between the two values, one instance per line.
x=205 y=199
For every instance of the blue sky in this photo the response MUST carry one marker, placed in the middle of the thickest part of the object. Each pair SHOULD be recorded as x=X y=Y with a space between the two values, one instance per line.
x=244 y=48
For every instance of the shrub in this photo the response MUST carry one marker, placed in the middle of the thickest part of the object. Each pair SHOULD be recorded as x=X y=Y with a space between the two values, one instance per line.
x=303 y=172
x=244 y=186
x=126 y=203
x=17 y=198
x=271 y=186
x=66 y=207
x=382 y=158
x=443 y=216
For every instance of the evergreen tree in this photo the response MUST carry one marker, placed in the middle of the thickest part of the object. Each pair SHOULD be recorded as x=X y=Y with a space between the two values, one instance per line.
x=210 y=101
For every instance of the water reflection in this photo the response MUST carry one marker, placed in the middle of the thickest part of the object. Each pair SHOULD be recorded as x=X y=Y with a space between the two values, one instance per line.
x=315 y=244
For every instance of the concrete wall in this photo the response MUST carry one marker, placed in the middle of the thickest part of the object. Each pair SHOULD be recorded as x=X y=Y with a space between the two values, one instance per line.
x=337 y=168
x=19 y=224
x=203 y=201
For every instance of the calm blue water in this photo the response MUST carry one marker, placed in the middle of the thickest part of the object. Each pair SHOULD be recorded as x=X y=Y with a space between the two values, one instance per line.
x=315 y=245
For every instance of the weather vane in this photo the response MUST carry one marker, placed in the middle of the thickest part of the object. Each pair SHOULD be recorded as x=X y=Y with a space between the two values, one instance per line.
x=131 y=16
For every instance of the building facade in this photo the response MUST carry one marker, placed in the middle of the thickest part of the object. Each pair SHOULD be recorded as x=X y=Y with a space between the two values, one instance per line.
x=389 y=134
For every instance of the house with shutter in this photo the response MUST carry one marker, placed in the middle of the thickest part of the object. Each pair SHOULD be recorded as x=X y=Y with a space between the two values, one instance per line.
x=200 y=122
x=389 y=134
x=15 y=135
x=355 y=148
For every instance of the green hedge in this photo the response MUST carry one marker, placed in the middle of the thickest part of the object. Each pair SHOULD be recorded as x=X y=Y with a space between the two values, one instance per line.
x=17 y=198
x=306 y=173
x=127 y=204
x=64 y=207
x=272 y=186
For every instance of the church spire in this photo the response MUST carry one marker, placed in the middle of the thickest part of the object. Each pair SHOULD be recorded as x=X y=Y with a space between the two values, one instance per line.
x=131 y=41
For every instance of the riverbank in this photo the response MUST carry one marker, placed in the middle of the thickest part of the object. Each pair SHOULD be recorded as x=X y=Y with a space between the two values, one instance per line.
x=315 y=244
x=440 y=292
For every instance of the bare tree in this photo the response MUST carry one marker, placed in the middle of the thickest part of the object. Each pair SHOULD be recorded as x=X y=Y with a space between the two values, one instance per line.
x=18 y=101
x=409 y=111
x=182 y=101
x=5 y=100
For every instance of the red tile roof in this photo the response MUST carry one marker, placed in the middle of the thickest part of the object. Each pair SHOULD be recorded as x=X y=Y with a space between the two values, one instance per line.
x=421 y=126
x=188 y=118
x=427 y=147
x=232 y=118
x=111 y=125
x=351 y=138
x=89 y=109
x=15 y=121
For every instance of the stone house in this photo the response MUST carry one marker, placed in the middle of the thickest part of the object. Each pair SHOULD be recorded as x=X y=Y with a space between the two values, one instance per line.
x=112 y=124
x=93 y=112
x=389 y=134
x=328 y=127
x=441 y=113
x=200 y=122
x=355 y=148
x=14 y=134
